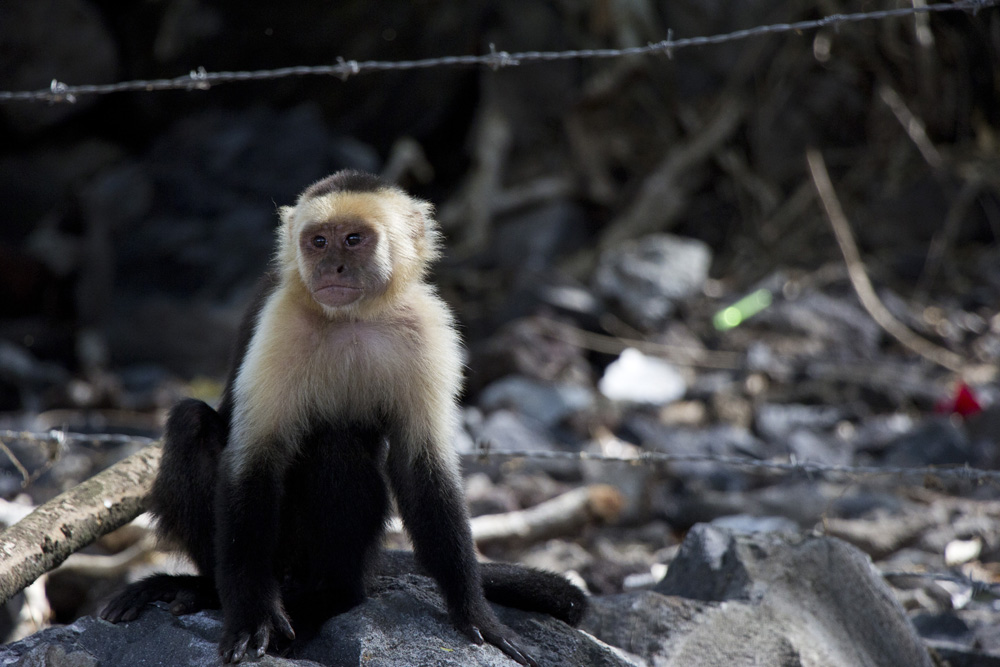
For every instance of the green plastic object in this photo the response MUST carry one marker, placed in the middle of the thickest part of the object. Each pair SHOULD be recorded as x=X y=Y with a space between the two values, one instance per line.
x=733 y=316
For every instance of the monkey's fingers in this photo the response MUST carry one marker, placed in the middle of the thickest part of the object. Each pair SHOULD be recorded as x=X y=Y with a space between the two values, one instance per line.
x=261 y=640
x=282 y=624
x=510 y=648
x=127 y=605
x=233 y=649
x=119 y=610
x=254 y=639
x=515 y=652
x=498 y=636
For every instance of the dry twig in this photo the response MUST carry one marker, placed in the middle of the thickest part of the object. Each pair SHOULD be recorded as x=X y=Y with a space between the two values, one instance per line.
x=859 y=278
x=915 y=128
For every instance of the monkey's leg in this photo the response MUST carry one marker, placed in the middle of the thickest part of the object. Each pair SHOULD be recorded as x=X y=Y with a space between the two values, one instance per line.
x=183 y=494
x=333 y=516
x=432 y=505
x=248 y=509
x=181 y=499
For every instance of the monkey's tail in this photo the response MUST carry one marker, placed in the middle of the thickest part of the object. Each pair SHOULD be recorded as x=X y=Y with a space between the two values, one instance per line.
x=533 y=590
x=512 y=586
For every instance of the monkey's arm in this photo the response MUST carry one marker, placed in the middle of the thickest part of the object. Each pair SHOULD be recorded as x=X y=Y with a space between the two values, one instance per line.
x=248 y=508
x=432 y=506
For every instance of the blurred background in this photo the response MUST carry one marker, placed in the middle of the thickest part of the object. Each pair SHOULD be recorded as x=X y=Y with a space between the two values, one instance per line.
x=637 y=254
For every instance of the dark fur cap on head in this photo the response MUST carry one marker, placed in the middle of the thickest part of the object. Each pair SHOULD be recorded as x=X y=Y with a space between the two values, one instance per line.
x=346 y=180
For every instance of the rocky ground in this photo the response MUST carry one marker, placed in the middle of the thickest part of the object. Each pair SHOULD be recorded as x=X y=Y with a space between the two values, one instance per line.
x=648 y=280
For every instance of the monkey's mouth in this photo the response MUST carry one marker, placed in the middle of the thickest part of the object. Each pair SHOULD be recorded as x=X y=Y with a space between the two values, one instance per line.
x=337 y=295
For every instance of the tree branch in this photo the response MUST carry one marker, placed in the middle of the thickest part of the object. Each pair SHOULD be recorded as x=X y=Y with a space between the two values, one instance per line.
x=45 y=538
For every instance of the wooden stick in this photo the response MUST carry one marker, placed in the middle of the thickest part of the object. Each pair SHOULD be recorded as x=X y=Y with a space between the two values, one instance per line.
x=561 y=515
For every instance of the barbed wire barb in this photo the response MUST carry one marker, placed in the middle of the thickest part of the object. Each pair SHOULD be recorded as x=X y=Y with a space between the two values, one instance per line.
x=668 y=44
x=500 y=58
x=347 y=68
x=200 y=79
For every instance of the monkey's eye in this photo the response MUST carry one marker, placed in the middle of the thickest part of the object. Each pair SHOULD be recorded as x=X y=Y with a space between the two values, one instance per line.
x=319 y=241
x=352 y=240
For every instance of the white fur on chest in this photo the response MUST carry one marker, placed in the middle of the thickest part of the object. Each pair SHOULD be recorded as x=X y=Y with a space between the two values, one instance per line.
x=301 y=367
x=297 y=369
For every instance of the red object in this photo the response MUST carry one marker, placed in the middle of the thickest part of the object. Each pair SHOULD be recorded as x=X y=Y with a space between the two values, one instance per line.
x=964 y=402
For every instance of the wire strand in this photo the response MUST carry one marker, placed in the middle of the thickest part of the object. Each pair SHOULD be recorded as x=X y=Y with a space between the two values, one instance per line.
x=485 y=452
x=200 y=79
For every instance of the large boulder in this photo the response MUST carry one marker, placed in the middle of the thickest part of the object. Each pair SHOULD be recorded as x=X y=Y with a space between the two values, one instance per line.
x=403 y=623
x=731 y=599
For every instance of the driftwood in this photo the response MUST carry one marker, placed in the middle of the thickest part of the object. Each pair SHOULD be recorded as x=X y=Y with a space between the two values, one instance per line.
x=561 y=515
x=46 y=537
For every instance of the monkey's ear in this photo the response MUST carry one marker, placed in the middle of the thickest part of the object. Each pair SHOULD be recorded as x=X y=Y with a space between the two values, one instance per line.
x=426 y=231
x=285 y=212
x=424 y=224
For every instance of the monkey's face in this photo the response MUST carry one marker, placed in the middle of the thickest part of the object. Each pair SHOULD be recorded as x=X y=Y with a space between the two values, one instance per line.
x=340 y=262
x=355 y=250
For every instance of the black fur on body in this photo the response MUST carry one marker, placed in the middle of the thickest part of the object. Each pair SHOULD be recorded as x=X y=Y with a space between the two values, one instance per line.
x=289 y=544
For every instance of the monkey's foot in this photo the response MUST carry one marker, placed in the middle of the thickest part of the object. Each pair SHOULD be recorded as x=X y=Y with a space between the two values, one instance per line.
x=254 y=636
x=186 y=594
x=486 y=627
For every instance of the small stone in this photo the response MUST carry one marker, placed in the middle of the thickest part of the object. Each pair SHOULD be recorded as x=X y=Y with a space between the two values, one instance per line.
x=636 y=378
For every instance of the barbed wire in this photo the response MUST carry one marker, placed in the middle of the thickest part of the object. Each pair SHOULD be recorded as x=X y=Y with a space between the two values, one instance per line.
x=978 y=586
x=200 y=79
x=485 y=453
x=961 y=472
x=66 y=438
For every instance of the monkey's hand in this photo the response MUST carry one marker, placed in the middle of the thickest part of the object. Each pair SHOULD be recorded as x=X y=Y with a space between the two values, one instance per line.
x=185 y=593
x=252 y=630
x=483 y=626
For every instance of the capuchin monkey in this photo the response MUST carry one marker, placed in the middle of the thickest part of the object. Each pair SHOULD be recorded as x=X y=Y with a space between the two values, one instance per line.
x=344 y=386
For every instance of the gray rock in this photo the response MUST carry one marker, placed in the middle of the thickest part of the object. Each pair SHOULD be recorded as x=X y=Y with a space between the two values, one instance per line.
x=669 y=631
x=646 y=277
x=807 y=445
x=937 y=441
x=403 y=623
x=822 y=597
x=748 y=524
x=777 y=421
x=507 y=431
x=528 y=241
x=548 y=403
x=838 y=321
x=721 y=440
